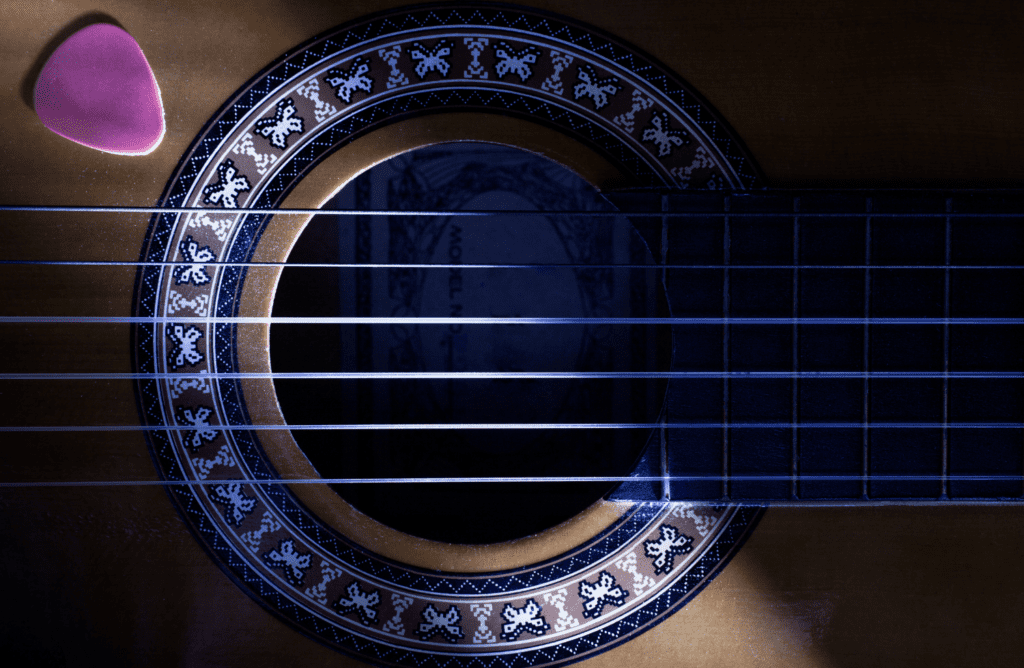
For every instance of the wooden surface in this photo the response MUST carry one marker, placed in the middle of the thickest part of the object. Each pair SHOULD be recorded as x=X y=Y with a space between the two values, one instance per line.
x=841 y=94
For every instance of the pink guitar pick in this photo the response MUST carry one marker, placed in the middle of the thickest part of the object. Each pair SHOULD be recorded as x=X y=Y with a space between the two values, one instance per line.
x=98 y=90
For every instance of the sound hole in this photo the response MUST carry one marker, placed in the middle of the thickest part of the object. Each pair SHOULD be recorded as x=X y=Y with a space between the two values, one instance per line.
x=471 y=177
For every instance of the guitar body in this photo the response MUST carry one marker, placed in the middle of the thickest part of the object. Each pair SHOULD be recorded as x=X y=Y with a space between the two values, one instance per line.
x=841 y=96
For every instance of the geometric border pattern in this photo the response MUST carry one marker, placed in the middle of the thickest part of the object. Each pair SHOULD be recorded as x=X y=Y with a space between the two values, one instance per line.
x=257 y=147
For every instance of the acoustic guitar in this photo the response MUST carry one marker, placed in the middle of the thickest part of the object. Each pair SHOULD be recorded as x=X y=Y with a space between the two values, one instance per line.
x=106 y=555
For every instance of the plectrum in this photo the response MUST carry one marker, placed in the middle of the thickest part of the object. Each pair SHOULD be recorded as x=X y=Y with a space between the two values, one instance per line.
x=97 y=89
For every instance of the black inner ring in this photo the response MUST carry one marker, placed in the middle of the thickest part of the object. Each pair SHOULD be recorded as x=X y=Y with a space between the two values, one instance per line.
x=487 y=177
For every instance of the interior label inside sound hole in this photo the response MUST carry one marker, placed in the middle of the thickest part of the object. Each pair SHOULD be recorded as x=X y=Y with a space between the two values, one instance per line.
x=575 y=271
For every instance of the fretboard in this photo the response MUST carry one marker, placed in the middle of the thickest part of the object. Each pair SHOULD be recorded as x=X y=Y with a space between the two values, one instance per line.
x=838 y=346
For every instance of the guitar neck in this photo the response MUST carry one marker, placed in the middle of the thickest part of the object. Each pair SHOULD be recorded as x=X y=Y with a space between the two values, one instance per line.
x=848 y=346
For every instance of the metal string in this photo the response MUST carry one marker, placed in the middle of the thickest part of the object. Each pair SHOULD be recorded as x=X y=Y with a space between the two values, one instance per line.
x=470 y=320
x=399 y=265
x=521 y=426
x=552 y=479
x=506 y=375
x=35 y=208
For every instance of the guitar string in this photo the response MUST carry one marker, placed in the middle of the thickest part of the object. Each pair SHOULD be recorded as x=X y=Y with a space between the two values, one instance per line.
x=38 y=208
x=472 y=320
x=519 y=426
x=400 y=265
x=547 y=479
x=508 y=375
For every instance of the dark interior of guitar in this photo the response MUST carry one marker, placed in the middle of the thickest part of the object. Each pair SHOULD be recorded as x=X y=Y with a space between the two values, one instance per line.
x=559 y=285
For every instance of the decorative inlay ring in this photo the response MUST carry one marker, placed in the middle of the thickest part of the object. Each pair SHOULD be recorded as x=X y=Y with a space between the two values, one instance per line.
x=264 y=140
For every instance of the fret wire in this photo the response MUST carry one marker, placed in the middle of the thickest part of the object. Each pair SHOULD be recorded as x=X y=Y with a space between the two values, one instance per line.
x=666 y=479
x=944 y=492
x=514 y=375
x=795 y=455
x=866 y=458
x=472 y=320
x=666 y=484
x=399 y=265
x=511 y=426
x=726 y=254
x=340 y=213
